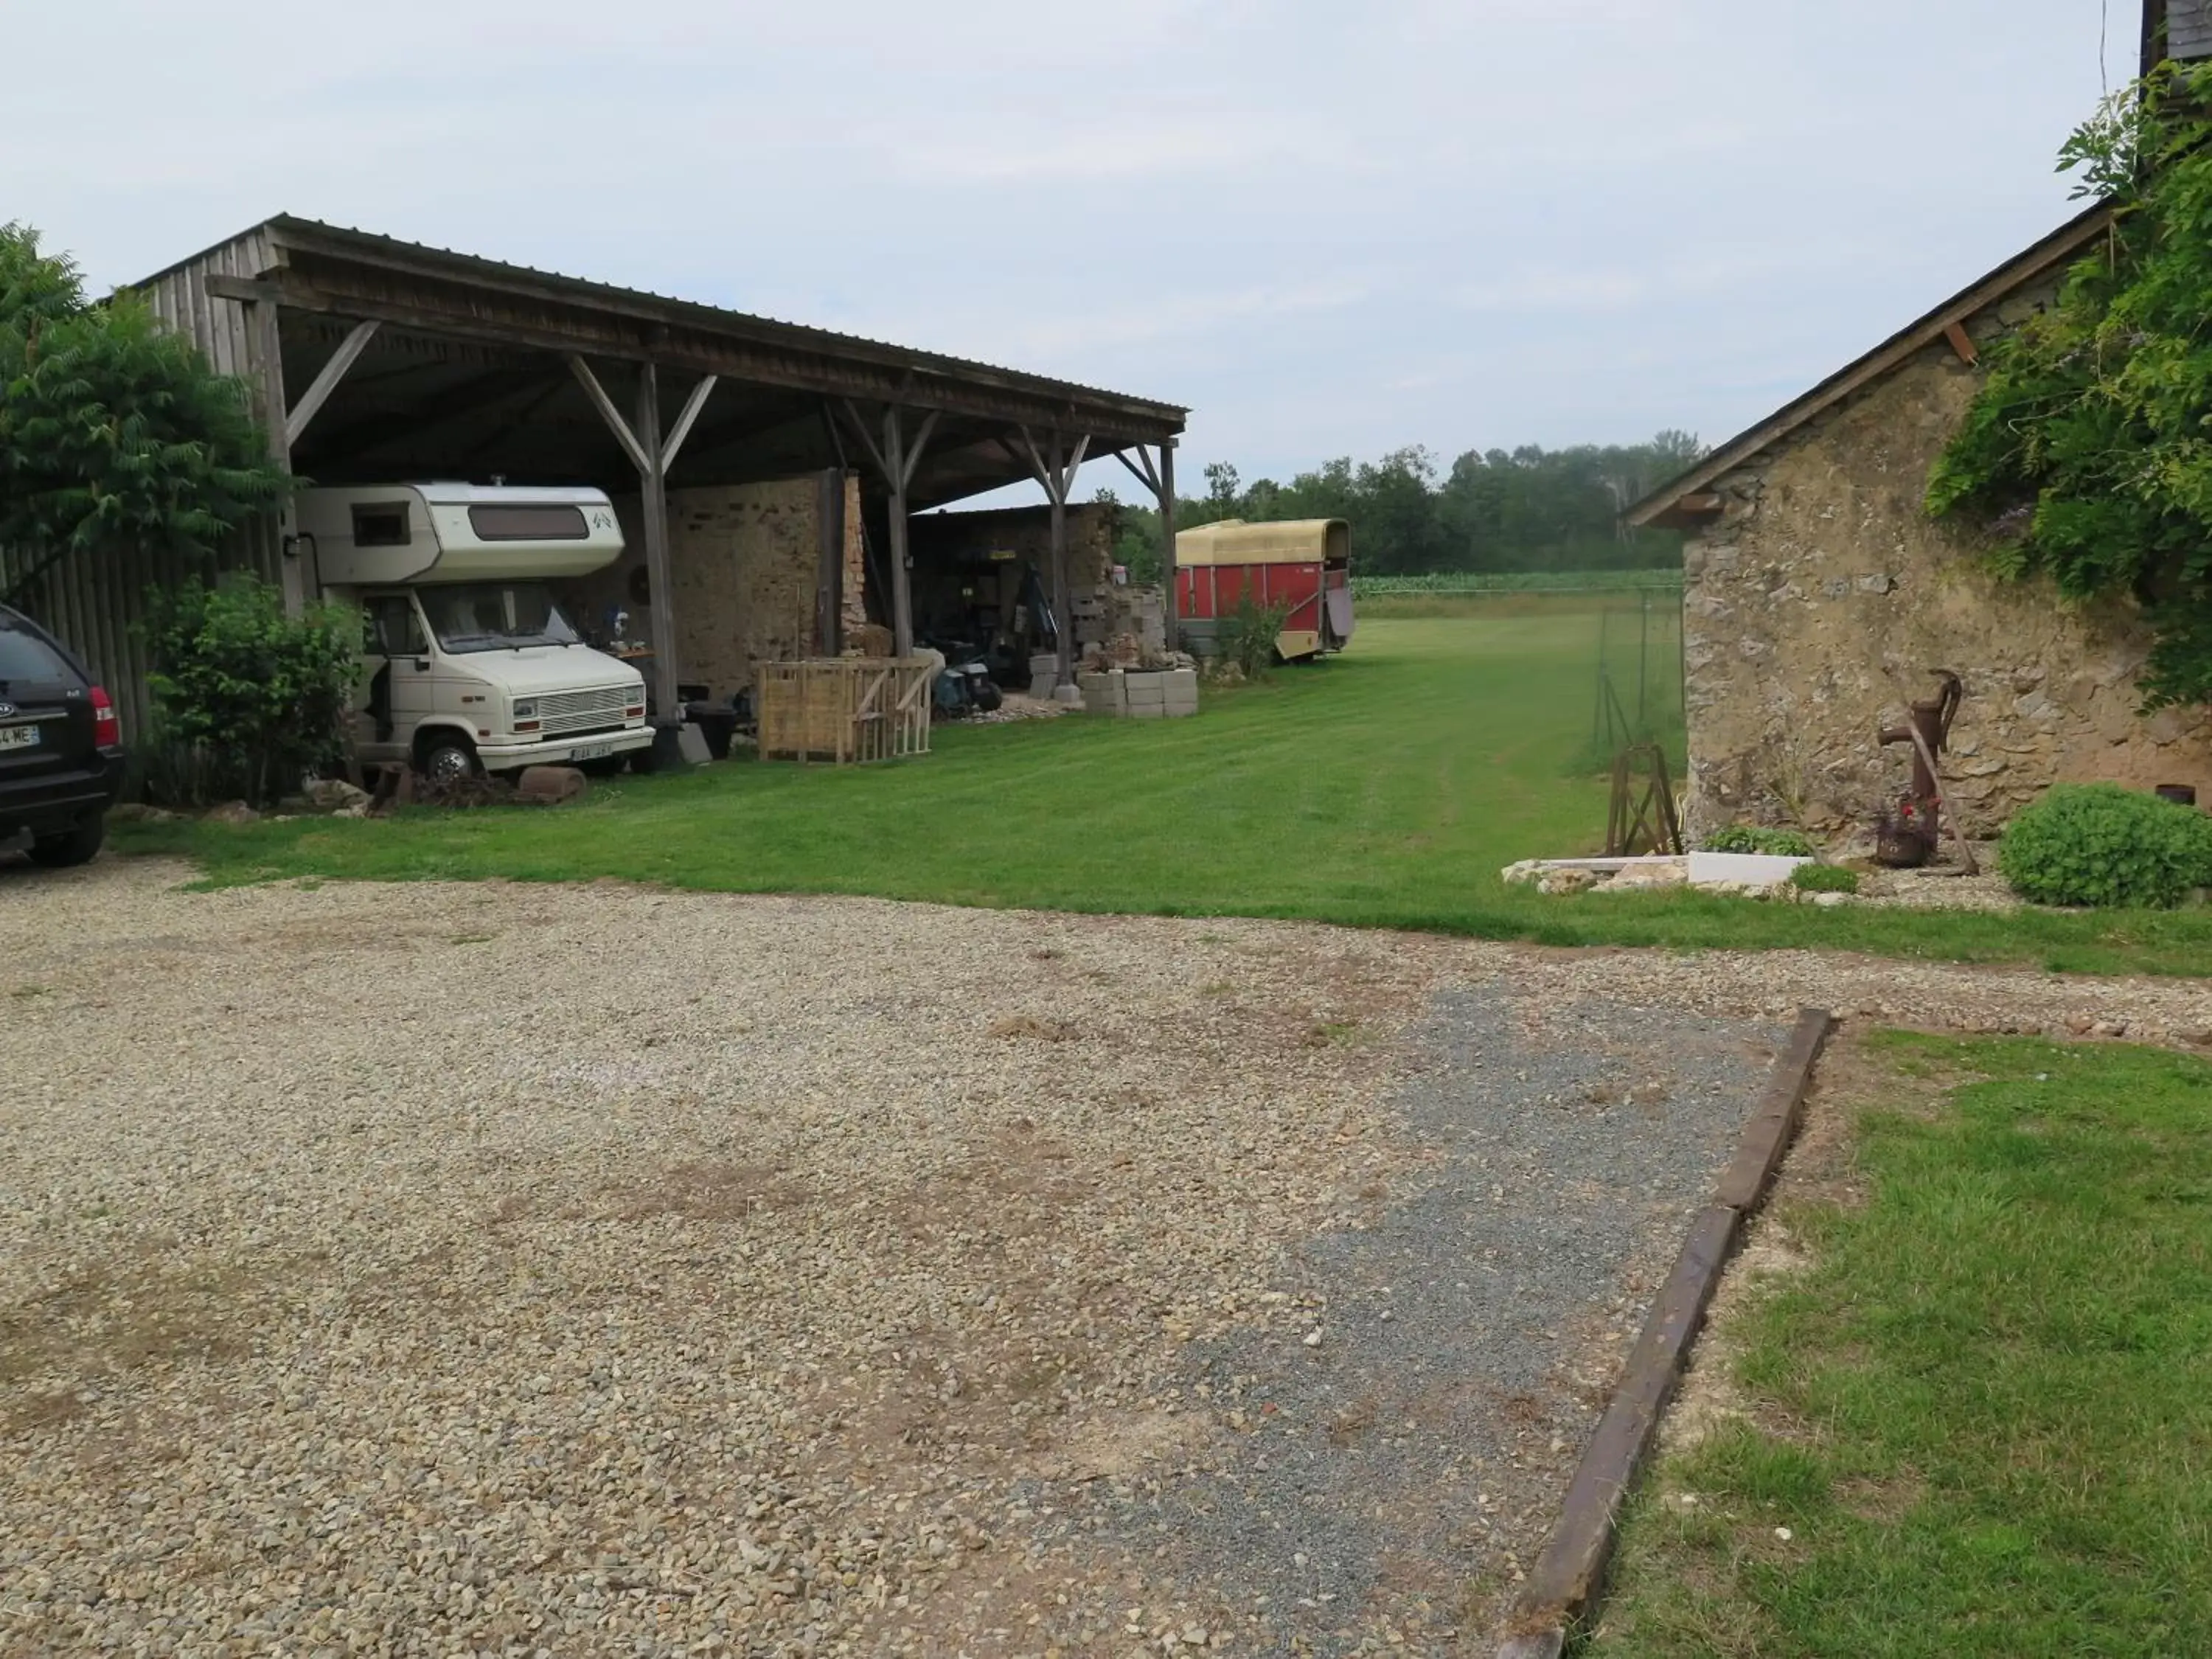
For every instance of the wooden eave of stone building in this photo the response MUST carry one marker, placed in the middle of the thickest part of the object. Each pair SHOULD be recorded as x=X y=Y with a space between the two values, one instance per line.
x=1690 y=500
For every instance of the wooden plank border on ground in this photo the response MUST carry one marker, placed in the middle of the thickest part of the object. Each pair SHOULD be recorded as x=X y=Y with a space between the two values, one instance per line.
x=1568 y=1574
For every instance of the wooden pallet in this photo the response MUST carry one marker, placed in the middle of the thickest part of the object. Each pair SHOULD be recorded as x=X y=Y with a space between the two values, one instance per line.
x=846 y=710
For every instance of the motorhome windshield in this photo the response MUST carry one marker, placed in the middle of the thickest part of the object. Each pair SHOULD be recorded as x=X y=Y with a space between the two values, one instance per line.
x=494 y=617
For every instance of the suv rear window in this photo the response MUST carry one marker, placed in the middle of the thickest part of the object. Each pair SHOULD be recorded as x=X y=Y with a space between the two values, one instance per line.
x=27 y=657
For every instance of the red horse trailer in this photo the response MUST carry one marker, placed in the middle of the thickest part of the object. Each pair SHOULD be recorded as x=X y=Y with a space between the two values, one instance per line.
x=1304 y=564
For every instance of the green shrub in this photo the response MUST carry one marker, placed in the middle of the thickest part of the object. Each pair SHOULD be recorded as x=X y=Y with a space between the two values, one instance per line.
x=1824 y=878
x=1752 y=838
x=247 y=700
x=1247 y=637
x=2101 y=845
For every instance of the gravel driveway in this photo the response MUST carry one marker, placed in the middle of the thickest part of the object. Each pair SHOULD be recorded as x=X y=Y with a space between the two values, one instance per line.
x=450 y=1268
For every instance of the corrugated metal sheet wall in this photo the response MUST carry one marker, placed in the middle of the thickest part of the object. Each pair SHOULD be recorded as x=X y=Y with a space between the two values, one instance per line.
x=98 y=603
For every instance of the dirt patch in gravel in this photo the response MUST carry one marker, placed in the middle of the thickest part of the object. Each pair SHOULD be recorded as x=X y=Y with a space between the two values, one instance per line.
x=674 y=1269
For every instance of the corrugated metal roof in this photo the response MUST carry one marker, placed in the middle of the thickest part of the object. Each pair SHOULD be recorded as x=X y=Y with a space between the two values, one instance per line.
x=285 y=229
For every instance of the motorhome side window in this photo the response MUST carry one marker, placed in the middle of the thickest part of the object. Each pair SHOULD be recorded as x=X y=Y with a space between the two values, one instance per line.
x=524 y=523
x=381 y=523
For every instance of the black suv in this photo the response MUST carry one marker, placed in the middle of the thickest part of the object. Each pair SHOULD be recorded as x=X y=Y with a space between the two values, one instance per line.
x=61 y=748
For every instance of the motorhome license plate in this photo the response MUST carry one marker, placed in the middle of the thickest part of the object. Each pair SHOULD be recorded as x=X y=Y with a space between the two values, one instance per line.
x=19 y=737
x=590 y=752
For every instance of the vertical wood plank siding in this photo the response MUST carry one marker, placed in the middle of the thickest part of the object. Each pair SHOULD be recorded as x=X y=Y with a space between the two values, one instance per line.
x=2189 y=30
x=98 y=604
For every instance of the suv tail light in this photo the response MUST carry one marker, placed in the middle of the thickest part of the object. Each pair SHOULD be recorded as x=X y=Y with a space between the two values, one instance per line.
x=107 y=729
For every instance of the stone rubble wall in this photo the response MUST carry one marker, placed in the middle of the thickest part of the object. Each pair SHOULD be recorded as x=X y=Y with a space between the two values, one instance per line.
x=1816 y=606
x=742 y=559
x=955 y=538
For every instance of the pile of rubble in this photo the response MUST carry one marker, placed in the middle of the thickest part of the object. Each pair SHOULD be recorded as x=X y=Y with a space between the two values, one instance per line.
x=1018 y=706
x=1746 y=874
x=396 y=785
x=1945 y=886
x=1126 y=652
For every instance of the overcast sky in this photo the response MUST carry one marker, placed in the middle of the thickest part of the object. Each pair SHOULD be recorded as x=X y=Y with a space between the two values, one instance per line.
x=1330 y=228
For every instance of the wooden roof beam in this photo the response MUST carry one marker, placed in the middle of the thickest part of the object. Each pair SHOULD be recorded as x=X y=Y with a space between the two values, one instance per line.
x=563 y=326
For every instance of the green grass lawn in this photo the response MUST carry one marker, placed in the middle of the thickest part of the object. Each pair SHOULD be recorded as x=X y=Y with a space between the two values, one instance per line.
x=1385 y=787
x=1985 y=1423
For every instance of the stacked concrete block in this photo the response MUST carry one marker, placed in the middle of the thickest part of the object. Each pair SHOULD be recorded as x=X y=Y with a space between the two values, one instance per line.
x=1127 y=694
x=1169 y=693
x=1179 y=687
x=1091 y=616
x=1106 y=693
x=1140 y=612
x=1148 y=698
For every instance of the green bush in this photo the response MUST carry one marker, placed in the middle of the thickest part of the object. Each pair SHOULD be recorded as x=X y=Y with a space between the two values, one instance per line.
x=247 y=701
x=1751 y=838
x=2098 y=844
x=1247 y=637
x=1824 y=878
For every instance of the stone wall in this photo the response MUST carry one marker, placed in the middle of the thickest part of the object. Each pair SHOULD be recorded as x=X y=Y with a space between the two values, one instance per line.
x=1026 y=532
x=1818 y=603
x=742 y=559
x=969 y=562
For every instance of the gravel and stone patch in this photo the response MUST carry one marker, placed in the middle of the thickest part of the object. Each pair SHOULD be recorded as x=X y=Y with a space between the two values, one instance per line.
x=431 y=1269
x=1378 y=1481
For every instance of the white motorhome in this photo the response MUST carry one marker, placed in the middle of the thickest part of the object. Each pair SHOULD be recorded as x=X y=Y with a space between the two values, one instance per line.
x=468 y=661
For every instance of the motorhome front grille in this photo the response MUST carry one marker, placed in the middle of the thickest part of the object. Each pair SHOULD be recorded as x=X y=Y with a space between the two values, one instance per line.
x=581 y=711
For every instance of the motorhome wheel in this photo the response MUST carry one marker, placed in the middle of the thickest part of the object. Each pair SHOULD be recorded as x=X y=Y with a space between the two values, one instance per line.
x=448 y=760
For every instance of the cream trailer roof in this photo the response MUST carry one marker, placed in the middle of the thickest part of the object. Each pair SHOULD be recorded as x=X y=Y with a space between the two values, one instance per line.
x=1289 y=541
x=371 y=534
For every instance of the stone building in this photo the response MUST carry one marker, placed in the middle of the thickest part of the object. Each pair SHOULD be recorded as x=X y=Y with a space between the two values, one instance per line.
x=1819 y=599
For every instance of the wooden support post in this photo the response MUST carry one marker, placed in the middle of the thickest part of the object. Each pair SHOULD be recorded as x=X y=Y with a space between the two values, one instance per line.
x=651 y=455
x=1056 y=469
x=1171 y=619
x=652 y=482
x=682 y=429
x=830 y=569
x=896 y=458
x=1160 y=480
x=894 y=452
x=285 y=424
x=268 y=348
x=1064 y=644
x=313 y=399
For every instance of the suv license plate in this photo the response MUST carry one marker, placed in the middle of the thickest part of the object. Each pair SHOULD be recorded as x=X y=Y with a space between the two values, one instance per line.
x=19 y=737
x=590 y=752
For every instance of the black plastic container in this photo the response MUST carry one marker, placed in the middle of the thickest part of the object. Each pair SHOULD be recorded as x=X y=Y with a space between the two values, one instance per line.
x=717 y=723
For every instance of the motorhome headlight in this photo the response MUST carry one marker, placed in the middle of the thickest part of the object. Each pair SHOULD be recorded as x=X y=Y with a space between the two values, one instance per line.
x=526 y=710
